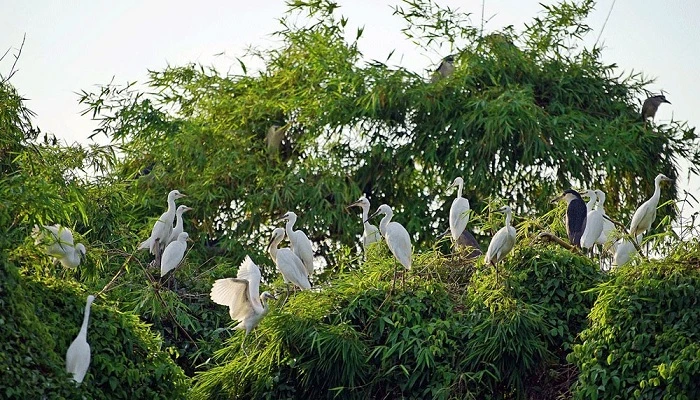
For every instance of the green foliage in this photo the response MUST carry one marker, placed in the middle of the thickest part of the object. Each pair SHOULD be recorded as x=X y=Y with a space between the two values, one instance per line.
x=41 y=319
x=642 y=341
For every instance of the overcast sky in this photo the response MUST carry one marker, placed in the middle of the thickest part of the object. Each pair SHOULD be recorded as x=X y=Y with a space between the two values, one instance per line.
x=75 y=45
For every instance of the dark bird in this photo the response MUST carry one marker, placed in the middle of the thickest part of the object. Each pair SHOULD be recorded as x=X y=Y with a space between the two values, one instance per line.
x=651 y=105
x=575 y=215
x=445 y=69
x=466 y=241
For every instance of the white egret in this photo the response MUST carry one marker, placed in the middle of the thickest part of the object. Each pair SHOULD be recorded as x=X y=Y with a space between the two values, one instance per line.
x=624 y=249
x=370 y=233
x=179 y=223
x=78 y=354
x=502 y=242
x=396 y=237
x=173 y=254
x=608 y=226
x=299 y=242
x=575 y=215
x=242 y=296
x=459 y=211
x=288 y=263
x=163 y=227
x=594 y=224
x=646 y=213
x=59 y=244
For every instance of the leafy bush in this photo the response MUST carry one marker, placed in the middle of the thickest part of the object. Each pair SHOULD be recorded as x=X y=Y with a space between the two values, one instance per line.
x=41 y=317
x=644 y=331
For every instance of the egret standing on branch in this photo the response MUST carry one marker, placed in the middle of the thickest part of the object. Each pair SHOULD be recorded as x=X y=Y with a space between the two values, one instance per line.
x=299 y=242
x=608 y=226
x=162 y=228
x=78 y=354
x=173 y=254
x=646 y=213
x=459 y=211
x=242 y=296
x=289 y=265
x=594 y=224
x=396 y=236
x=370 y=232
x=502 y=242
x=575 y=215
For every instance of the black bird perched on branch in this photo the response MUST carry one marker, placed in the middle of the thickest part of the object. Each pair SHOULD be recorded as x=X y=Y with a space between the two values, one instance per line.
x=651 y=105
x=445 y=69
x=576 y=213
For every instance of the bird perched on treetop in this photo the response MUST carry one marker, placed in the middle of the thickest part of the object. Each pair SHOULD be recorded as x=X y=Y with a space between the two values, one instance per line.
x=575 y=215
x=445 y=69
x=652 y=104
x=646 y=213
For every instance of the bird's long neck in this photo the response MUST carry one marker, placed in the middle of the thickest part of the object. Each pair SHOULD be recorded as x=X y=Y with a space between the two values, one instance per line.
x=384 y=223
x=460 y=186
x=508 y=217
x=657 y=190
x=171 y=204
x=178 y=220
x=601 y=200
x=290 y=226
x=365 y=213
x=273 y=250
x=263 y=300
x=86 y=318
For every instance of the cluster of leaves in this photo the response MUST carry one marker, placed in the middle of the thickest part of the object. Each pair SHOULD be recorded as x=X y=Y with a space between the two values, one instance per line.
x=432 y=337
x=41 y=317
x=642 y=340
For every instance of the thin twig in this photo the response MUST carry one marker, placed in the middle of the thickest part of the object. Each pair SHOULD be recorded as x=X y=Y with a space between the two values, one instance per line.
x=14 y=64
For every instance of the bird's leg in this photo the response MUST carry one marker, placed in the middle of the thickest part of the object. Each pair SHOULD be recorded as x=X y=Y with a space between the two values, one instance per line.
x=393 y=281
x=243 y=345
x=157 y=259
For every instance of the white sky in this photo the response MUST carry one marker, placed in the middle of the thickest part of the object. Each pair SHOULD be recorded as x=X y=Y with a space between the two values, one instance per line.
x=74 y=45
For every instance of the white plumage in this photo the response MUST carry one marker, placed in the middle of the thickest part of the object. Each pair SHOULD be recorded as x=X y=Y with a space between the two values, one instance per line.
x=592 y=198
x=173 y=254
x=502 y=242
x=78 y=354
x=299 y=243
x=179 y=223
x=370 y=233
x=396 y=236
x=608 y=227
x=594 y=223
x=289 y=265
x=459 y=211
x=242 y=296
x=59 y=244
x=624 y=249
x=646 y=213
x=164 y=226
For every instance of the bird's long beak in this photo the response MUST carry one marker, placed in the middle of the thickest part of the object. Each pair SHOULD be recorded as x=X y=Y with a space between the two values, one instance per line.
x=666 y=101
x=443 y=234
x=371 y=216
x=502 y=209
x=554 y=200
x=355 y=204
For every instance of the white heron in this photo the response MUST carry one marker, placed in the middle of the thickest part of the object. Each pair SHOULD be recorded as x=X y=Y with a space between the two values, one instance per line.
x=173 y=254
x=59 y=244
x=299 y=242
x=608 y=226
x=163 y=227
x=646 y=213
x=78 y=354
x=575 y=215
x=370 y=233
x=242 y=296
x=594 y=223
x=592 y=198
x=459 y=211
x=288 y=263
x=179 y=223
x=502 y=242
x=396 y=237
x=624 y=249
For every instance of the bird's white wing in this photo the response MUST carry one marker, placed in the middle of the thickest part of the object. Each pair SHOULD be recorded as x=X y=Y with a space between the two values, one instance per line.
x=78 y=359
x=232 y=292
x=371 y=234
x=459 y=216
x=172 y=256
x=292 y=268
x=399 y=242
x=303 y=249
x=250 y=272
x=642 y=218
x=594 y=226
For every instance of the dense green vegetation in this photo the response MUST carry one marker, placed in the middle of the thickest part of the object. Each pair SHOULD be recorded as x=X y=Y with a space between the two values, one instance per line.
x=525 y=114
